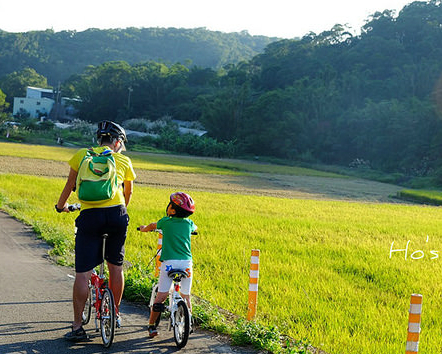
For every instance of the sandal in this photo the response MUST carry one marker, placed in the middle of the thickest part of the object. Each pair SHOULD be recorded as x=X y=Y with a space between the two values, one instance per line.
x=152 y=331
x=77 y=335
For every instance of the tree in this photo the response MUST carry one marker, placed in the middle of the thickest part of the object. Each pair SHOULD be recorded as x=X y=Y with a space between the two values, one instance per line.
x=271 y=127
x=3 y=103
x=14 y=84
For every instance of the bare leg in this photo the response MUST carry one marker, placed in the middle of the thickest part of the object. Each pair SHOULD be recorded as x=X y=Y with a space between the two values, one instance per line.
x=187 y=299
x=161 y=297
x=116 y=283
x=79 y=296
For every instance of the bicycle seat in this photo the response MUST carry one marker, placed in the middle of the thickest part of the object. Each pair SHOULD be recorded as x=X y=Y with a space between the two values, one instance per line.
x=177 y=274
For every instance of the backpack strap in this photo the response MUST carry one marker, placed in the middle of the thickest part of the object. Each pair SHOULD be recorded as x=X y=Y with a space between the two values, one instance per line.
x=105 y=152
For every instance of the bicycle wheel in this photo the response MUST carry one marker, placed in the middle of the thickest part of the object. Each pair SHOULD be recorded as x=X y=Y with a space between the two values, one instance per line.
x=181 y=328
x=107 y=317
x=86 y=315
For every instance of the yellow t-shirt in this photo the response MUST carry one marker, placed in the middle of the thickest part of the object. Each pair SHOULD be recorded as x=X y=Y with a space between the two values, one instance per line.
x=125 y=172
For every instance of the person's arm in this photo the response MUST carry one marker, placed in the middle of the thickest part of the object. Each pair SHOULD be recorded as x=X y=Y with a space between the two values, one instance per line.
x=127 y=191
x=147 y=228
x=193 y=226
x=67 y=190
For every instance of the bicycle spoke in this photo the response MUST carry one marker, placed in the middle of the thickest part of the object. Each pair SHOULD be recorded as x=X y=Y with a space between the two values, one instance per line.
x=181 y=328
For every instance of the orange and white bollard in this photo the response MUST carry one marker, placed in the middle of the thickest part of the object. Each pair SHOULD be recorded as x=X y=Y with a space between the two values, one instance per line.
x=157 y=258
x=414 y=324
x=253 y=285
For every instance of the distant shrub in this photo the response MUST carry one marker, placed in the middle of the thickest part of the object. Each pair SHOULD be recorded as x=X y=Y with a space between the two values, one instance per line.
x=421 y=196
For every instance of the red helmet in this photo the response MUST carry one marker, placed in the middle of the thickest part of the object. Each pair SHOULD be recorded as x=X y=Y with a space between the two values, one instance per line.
x=183 y=200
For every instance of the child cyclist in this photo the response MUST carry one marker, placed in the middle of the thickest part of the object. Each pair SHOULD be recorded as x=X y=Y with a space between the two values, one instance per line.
x=175 y=253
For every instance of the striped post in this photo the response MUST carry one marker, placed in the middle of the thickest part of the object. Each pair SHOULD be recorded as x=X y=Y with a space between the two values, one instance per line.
x=157 y=259
x=253 y=285
x=414 y=324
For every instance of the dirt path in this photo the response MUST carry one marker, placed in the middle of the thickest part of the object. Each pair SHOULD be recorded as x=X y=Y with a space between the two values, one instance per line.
x=286 y=186
x=36 y=309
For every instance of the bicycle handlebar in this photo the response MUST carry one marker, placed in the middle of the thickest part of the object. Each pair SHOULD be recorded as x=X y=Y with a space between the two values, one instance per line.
x=74 y=207
x=159 y=230
x=71 y=207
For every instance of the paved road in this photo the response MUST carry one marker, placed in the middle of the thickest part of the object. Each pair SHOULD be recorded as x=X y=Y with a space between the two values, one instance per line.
x=36 y=310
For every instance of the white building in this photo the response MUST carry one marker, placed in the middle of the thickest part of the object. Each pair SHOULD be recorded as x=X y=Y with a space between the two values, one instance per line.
x=37 y=103
x=41 y=102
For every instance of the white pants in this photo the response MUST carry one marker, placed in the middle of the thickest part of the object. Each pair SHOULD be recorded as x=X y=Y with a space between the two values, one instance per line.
x=164 y=282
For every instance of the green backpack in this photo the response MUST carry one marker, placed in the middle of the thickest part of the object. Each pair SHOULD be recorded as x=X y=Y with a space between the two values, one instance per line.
x=97 y=177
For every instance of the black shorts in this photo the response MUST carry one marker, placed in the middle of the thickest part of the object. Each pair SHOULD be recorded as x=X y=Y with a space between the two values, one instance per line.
x=91 y=224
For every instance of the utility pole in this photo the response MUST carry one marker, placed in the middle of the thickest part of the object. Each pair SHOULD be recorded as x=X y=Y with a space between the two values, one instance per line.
x=130 y=89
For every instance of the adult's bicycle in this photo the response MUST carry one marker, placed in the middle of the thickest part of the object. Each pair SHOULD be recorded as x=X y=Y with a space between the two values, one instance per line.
x=101 y=299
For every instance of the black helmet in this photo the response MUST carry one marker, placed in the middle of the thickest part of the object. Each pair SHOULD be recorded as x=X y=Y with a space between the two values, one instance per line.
x=108 y=128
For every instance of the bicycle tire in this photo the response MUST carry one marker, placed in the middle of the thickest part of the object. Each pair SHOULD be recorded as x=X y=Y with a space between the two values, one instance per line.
x=86 y=315
x=107 y=317
x=181 y=328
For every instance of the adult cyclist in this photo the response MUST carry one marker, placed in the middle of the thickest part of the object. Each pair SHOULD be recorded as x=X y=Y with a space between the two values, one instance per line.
x=95 y=219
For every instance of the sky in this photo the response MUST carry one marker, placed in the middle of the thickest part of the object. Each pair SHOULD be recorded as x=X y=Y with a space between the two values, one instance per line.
x=273 y=18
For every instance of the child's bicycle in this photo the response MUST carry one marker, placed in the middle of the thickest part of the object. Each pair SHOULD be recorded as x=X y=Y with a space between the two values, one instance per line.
x=100 y=297
x=180 y=318
x=179 y=315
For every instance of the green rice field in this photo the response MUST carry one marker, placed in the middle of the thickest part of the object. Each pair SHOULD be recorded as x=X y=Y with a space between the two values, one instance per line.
x=337 y=273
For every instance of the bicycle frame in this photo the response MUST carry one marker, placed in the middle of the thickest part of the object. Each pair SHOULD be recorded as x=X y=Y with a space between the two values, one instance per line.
x=174 y=298
x=98 y=285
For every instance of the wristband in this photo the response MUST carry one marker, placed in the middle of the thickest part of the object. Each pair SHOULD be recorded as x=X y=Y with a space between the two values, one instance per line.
x=58 y=210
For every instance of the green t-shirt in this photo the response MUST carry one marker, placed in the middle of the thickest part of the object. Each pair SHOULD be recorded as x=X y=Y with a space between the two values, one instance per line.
x=176 y=238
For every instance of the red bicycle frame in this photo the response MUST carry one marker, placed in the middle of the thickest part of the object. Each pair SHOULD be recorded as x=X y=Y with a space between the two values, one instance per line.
x=98 y=283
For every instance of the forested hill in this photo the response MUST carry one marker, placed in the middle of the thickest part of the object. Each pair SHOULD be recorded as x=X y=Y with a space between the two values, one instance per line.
x=372 y=99
x=57 y=55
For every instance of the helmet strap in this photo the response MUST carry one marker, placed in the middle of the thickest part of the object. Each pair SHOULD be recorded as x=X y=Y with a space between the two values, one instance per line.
x=119 y=145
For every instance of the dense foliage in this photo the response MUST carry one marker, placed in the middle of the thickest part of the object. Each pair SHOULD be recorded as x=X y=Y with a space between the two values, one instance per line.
x=374 y=96
x=57 y=55
x=371 y=100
